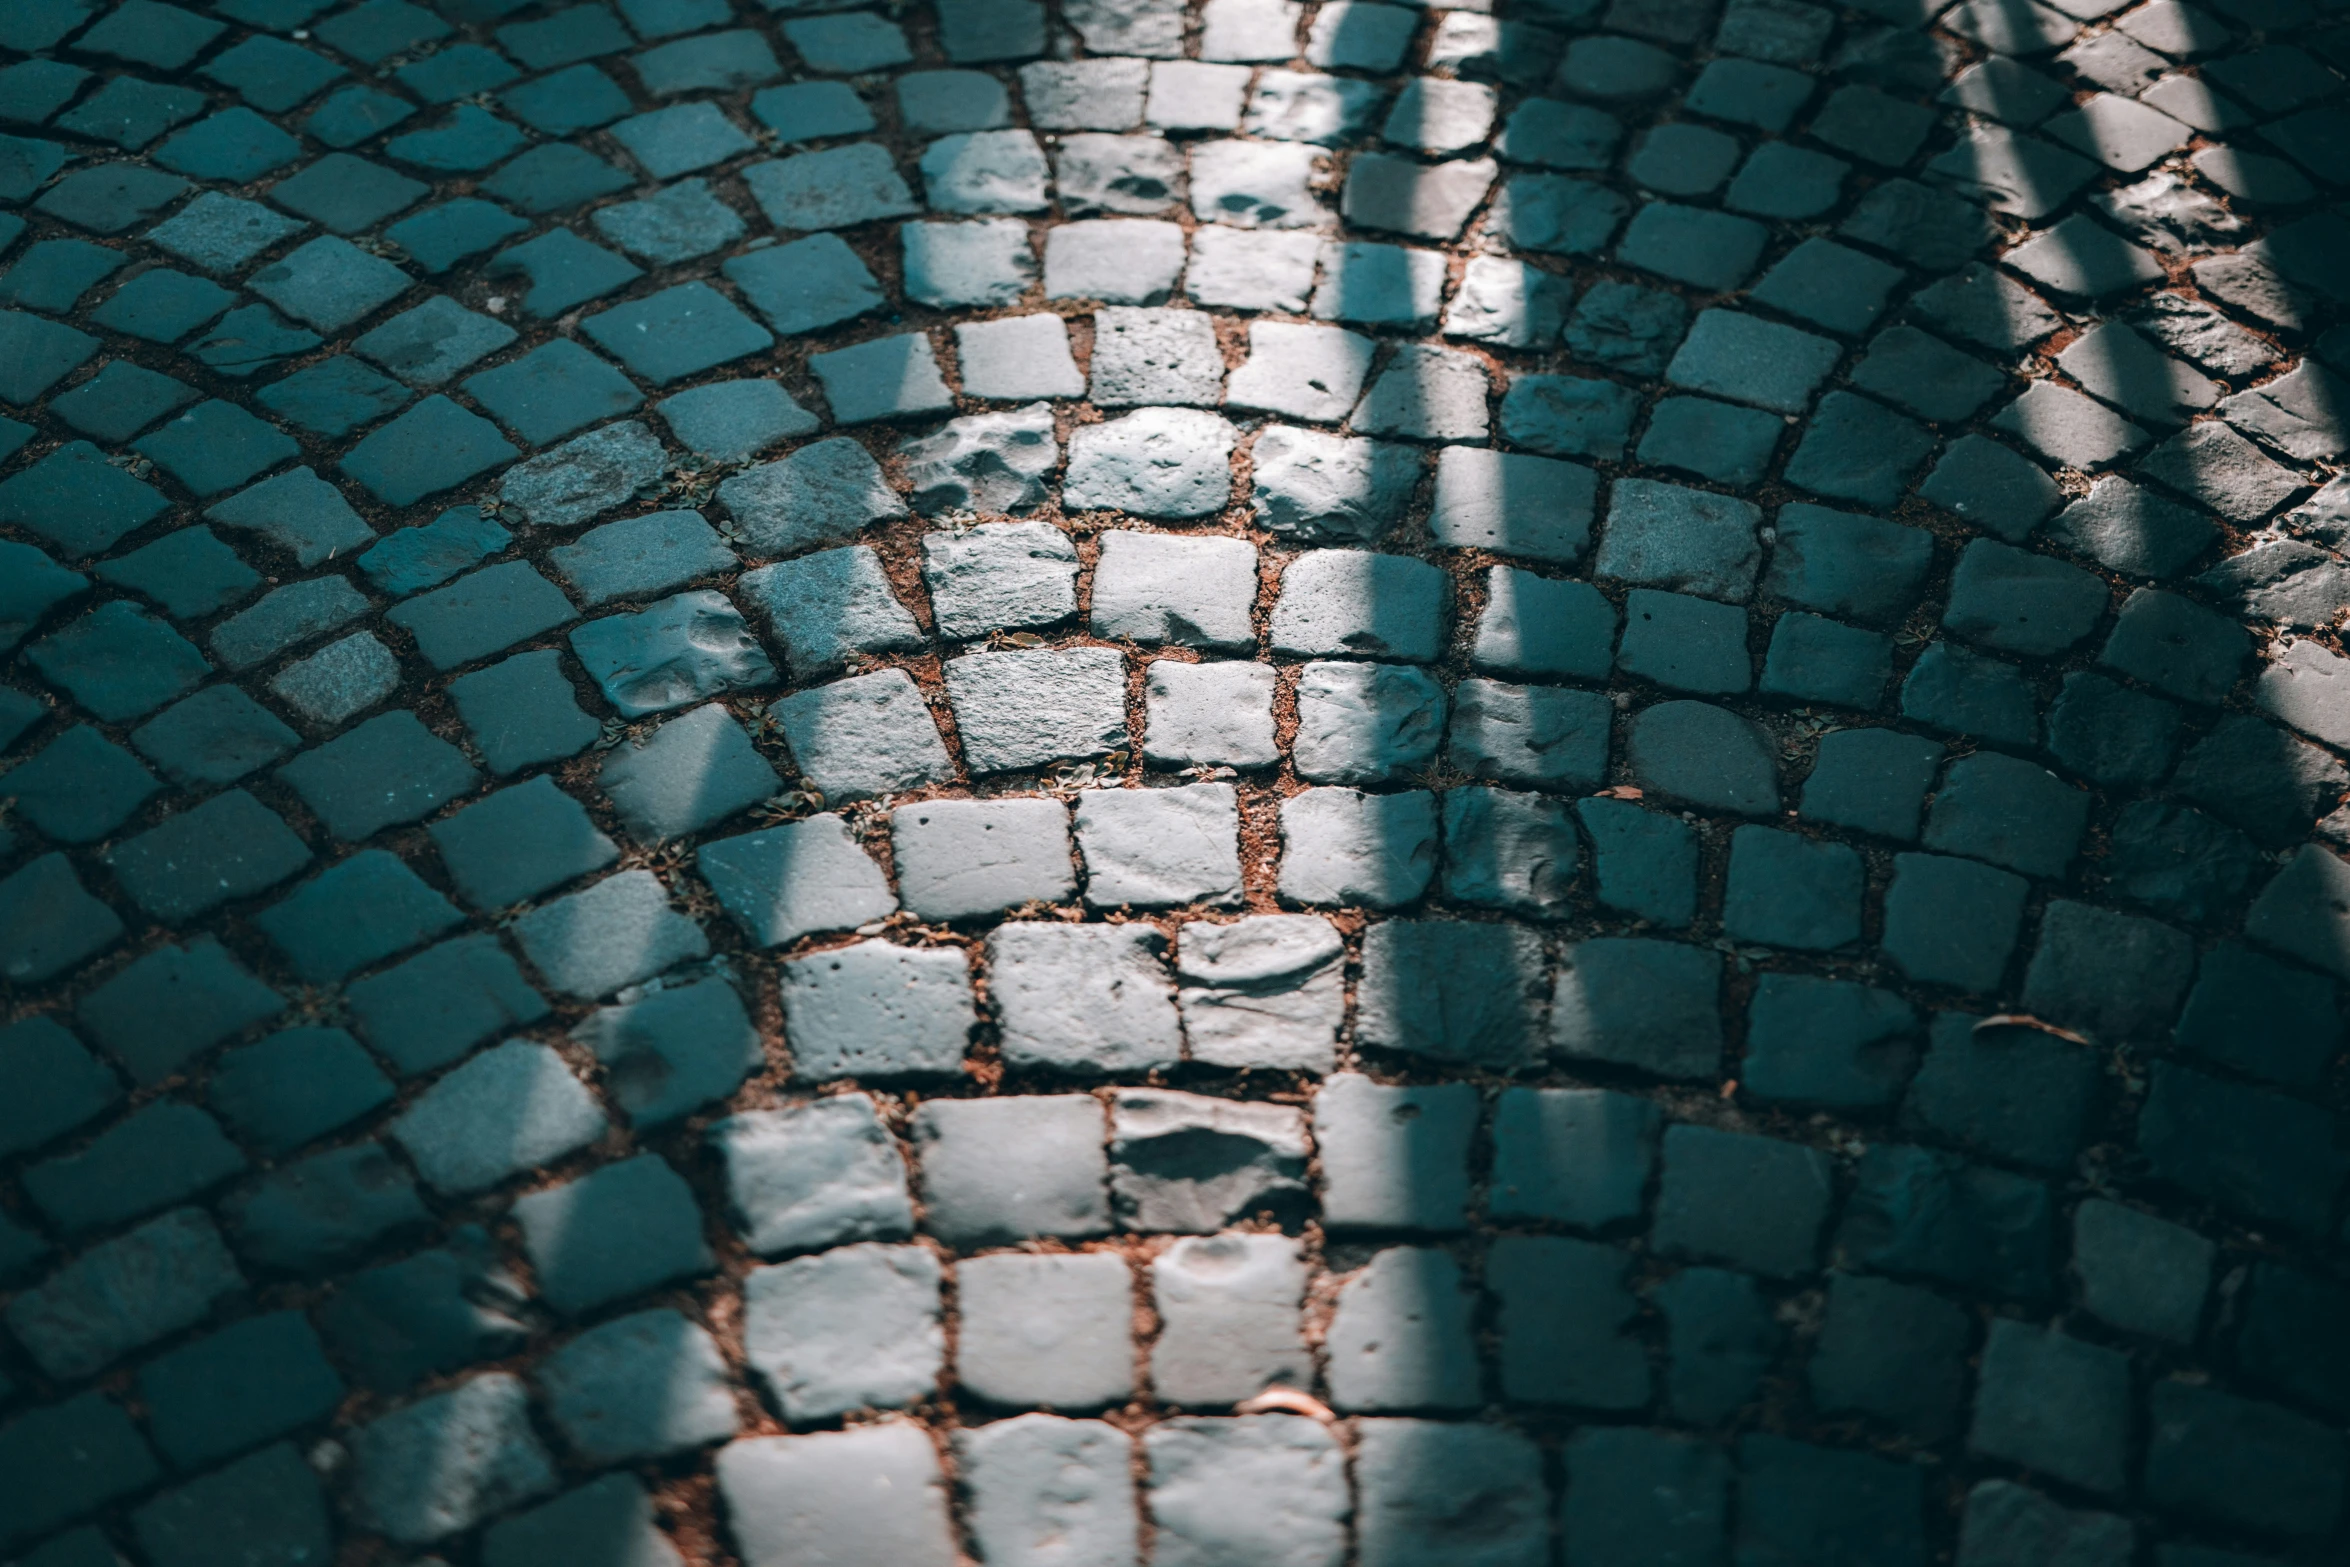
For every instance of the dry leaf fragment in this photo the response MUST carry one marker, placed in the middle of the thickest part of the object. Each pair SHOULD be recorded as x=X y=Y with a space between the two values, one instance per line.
x=1286 y=1400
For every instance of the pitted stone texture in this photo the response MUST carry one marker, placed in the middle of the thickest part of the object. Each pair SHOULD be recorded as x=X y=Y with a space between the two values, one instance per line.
x=1191 y=1164
x=813 y=1174
x=1086 y=1000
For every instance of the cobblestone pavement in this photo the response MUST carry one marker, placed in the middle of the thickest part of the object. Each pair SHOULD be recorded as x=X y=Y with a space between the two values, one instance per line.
x=782 y=786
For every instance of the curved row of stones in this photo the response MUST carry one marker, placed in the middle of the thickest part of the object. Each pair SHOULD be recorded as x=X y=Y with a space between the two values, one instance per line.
x=785 y=786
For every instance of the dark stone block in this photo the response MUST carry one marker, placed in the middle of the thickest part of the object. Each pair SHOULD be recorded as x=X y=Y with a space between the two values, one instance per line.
x=1892 y=1351
x=2259 y=1154
x=231 y=846
x=2270 y=1019
x=1636 y=1497
x=625 y=1229
x=317 y=1213
x=173 y=1003
x=1563 y=1312
x=2013 y=1094
x=1827 y=1042
x=434 y=1008
x=1871 y=780
x=1652 y=1005
x=1721 y=1338
x=1646 y=861
x=1966 y=693
x=54 y=1084
x=2110 y=734
x=1787 y=890
x=1932 y=1215
x=390 y=769
x=268 y=1510
x=252 y=1381
x=1753 y=1202
x=2218 y=1459
x=160 y=1155
x=1579 y=1156
x=64 y=1460
x=522 y=711
x=79 y=788
x=2055 y=1404
x=1806 y=1506
x=296 y=1085
x=433 y=1312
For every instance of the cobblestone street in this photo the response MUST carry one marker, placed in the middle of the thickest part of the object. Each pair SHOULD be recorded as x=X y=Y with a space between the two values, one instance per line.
x=1108 y=785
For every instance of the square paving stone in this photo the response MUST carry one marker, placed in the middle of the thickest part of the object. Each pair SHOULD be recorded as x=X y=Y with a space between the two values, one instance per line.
x=470 y=139
x=1819 y=660
x=124 y=1294
x=2053 y=1403
x=867 y=735
x=1160 y=847
x=430 y=1010
x=585 y=476
x=624 y=1229
x=806 y=876
x=60 y=1085
x=2269 y=1019
x=948 y=265
x=520 y=842
x=254 y=1380
x=1753 y=1202
x=52 y=274
x=339 y=394
x=1023 y=710
x=121 y=400
x=1083 y=999
x=341 y=680
x=440 y=236
x=1538 y=626
x=2008 y=1093
x=830 y=607
x=553 y=390
x=365 y=909
x=298 y=512
x=640 y=556
x=561 y=271
x=730 y=421
x=482 y=613
x=840 y=187
x=1685 y=644
x=1952 y=921
x=389 y=770
x=2251 y=1151
x=677 y=332
x=687 y=774
x=229 y=847
x=1638 y=1002
x=351 y=115
x=346 y=194
x=677 y=223
x=811 y=111
x=1572 y=1156
x=813 y=1174
x=610 y=1517
x=173 y=1003
x=78 y=788
x=294 y=1086
x=1342 y=846
x=854 y=1328
x=329 y=283
x=1002 y=1171
x=1893 y=1352
x=1449 y=991
x=49 y=922
x=1017 y=357
x=1042 y=1485
x=644 y=1386
x=522 y=711
x=686 y=648
x=1827 y=1041
x=1042 y=1329
x=434 y=446
x=785 y=1495
x=673 y=1051
x=459 y=71
x=266 y=1508
x=1966 y=693
x=577 y=98
x=430 y=344
x=1399 y=1337
x=404 y=1487
x=67 y=1459
x=78 y=502
x=2009 y=812
x=163 y=1154
x=615 y=933
x=1262 y=991
x=509 y=1108
x=553 y=176
x=1219 y=714
x=216 y=446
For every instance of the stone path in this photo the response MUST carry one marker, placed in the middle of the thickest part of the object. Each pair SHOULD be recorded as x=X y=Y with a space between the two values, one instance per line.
x=783 y=785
